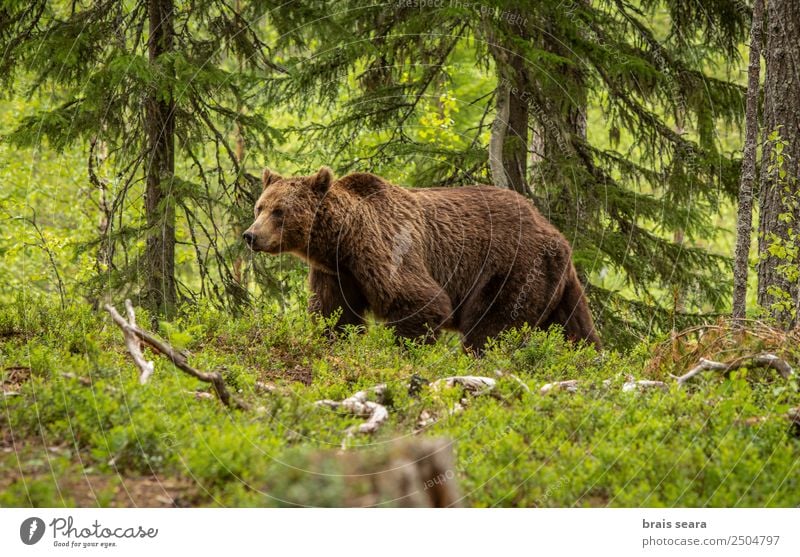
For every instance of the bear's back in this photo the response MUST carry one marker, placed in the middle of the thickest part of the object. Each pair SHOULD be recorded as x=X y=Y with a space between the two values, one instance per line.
x=475 y=233
x=464 y=231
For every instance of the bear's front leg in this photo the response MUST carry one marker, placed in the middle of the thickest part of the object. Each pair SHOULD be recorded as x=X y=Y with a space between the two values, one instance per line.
x=330 y=293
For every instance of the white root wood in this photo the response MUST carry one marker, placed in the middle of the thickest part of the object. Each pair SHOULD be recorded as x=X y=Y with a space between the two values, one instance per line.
x=643 y=385
x=358 y=405
x=520 y=382
x=758 y=360
x=475 y=384
x=146 y=367
x=570 y=386
x=176 y=357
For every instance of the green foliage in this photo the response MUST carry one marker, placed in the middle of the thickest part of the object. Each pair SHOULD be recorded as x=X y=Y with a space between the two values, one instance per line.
x=82 y=414
x=783 y=248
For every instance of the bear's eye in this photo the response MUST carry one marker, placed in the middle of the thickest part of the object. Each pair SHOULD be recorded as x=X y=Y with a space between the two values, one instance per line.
x=277 y=213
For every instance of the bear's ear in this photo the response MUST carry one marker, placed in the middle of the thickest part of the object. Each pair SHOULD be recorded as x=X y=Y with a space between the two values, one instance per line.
x=321 y=181
x=269 y=177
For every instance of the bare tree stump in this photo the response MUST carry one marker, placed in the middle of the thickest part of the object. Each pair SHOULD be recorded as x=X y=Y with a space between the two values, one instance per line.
x=418 y=472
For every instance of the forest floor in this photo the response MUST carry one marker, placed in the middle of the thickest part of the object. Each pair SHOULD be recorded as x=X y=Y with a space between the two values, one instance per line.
x=77 y=427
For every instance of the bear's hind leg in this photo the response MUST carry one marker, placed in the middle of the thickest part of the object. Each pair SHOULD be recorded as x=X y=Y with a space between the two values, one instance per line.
x=487 y=312
x=574 y=315
x=504 y=302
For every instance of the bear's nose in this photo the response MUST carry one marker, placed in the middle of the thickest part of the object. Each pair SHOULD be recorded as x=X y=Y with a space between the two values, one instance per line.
x=249 y=237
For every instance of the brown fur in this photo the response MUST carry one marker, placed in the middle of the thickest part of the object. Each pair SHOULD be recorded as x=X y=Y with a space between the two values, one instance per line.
x=476 y=259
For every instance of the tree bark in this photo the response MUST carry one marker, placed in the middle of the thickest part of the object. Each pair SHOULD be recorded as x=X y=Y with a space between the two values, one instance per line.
x=508 y=145
x=159 y=293
x=781 y=111
x=745 y=218
x=498 y=134
x=515 y=147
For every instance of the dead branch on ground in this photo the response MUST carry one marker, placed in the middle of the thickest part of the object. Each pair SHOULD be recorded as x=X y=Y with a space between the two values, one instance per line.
x=178 y=359
x=358 y=405
x=570 y=386
x=642 y=385
x=757 y=360
x=473 y=385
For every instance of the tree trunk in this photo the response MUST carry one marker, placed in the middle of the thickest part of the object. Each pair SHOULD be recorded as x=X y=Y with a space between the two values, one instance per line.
x=745 y=218
x=782 y=113
x=239 y=200
x=498 y=134
x=159 y=260
x=508 y=145
x=515 y=147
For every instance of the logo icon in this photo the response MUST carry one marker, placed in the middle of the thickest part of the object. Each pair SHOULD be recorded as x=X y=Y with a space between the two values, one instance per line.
x=31 y=530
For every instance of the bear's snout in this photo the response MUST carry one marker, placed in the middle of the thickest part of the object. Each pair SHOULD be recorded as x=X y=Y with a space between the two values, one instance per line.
x=249 y=238
x=261 y=241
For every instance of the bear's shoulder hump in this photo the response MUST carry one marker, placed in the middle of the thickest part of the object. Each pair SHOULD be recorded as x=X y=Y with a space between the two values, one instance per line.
x=362 y=183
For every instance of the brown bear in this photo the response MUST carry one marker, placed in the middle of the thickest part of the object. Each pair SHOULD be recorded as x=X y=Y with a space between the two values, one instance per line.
x=475 y=259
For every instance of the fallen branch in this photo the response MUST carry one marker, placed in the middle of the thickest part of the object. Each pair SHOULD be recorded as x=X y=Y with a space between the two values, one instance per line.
x=758 y=360
x=519 y=381
x=570 y=386
x=178 y=359
x=642 y=385
x=358 y=405
x=475 y=384
x=135 y=347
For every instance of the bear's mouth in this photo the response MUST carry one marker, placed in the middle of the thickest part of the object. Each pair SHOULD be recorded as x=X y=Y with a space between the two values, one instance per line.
x=269 y=249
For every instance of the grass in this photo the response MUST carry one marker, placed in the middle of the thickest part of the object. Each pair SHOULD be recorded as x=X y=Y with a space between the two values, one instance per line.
x=80 y=430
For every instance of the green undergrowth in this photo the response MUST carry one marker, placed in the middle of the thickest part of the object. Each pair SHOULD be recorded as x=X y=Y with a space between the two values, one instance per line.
x=77 y=428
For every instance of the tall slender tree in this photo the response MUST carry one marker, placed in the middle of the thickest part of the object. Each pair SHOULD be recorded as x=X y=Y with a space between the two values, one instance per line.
x=509 y=144
x=748 y=177
x=159 y=203
x=779 y=217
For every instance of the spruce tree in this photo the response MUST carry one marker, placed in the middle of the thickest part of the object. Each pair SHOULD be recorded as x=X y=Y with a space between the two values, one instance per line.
x=373 y=87
x=152 y=82
x=779 y=198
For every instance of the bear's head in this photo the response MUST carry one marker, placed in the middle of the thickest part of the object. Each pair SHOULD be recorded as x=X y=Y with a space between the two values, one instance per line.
x=285 y=211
